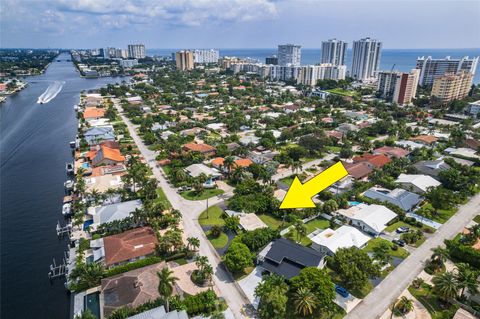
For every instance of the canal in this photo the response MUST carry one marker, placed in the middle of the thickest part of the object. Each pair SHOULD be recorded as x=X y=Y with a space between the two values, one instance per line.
x=34 y=147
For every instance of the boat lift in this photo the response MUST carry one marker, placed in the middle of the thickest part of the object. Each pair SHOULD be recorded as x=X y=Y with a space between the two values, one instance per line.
x=62 y=231
x=57 y=271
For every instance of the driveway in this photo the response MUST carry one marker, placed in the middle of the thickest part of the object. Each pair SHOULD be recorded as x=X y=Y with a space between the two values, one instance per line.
x=249 y=283
x=190 y=211
x=377 y=302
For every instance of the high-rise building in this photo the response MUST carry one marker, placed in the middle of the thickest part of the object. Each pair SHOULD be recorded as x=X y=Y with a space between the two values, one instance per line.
x=184 y=60
x=206 y=56
x=333 y=51
x=136 y=51
x=273 y=60
x=289 y=55
x=310 y=74
x=452 y=86
x=431 y=68
x=366 y=59
x=398 y=87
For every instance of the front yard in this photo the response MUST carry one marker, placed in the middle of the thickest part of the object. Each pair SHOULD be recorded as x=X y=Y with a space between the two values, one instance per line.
x=400 y=252
x=213 y=217
x=206 y=193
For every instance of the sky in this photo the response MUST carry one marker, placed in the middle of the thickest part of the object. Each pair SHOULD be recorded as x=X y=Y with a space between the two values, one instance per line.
x=399 y=24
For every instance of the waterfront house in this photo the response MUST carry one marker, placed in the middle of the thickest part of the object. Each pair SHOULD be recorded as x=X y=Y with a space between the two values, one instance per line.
x=404 y=199
x=114 y=212
x=328 y=241
x=372 y=219
x=94 y=113
x=96 y=135
x=286 y=258
x=106 y=156
x=131 y=245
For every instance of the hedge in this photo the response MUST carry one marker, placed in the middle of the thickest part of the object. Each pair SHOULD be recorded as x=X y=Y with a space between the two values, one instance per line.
x=133 y=265
x=463 y=253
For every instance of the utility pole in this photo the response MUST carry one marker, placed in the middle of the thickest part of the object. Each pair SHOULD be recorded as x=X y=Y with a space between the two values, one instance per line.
x=207 y=208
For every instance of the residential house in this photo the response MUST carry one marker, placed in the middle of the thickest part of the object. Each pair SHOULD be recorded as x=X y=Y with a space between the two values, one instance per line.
x=328 y=241
x=106 y=156
x=377 y=160
x=204 y=149
x=93 y=113
x=427 y=140
x=359 y=170
x=372 y=219
x=249 y=139
x=416 y=183
x=96 y=135
x=128 y=246
x=286 y=258
x=113 y=212
x=392 y=152
x=160 y=313
x=431 y=168
x=404 y=199
x=196 y=170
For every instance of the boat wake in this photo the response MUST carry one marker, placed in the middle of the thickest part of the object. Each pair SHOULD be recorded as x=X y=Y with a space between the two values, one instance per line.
x=51 y=92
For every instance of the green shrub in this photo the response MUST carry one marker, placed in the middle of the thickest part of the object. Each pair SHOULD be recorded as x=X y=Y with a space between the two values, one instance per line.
x=133 y=265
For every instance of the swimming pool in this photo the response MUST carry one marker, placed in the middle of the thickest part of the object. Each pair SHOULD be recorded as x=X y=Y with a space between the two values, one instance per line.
x=92 y=303
x=85 y=165
x=354 y=203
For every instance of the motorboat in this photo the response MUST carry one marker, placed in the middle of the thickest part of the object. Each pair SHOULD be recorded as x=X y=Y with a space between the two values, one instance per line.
x=69 y=184
x=66 y=209
x=73 y=144
x=69 y=168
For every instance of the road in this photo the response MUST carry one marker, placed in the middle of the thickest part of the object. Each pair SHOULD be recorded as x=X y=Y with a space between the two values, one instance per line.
x=231 y=292
x=379 y=299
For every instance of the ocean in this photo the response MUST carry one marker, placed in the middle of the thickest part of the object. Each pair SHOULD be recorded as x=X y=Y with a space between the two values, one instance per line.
x=398 y=59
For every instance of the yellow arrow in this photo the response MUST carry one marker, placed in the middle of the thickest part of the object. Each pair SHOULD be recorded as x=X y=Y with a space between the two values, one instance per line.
x=300 y=195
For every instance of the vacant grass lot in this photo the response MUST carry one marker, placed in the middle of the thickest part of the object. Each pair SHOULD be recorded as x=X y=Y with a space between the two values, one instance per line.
x=272 y=221
x=214 y=217
x=207 y=193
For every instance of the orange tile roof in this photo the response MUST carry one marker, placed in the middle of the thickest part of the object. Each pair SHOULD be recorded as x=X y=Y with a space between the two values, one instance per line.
x=202 y=148
x=218 y=161
x=378 y=160
x=429 y=139
x=112 y=154
x=391 y=151
x=243 y=162
x=93 y=112
x=131 y=244
x=358 y=170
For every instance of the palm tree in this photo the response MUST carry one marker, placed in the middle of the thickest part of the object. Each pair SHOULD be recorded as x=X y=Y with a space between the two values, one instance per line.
x=445 y=285
x=439 y=256
x=193 y=243
x=466 y=278
x=165 y=285
x=301 y=229
x=201 y=262
x=304 y=301
x=403 y=306
x=228 y=163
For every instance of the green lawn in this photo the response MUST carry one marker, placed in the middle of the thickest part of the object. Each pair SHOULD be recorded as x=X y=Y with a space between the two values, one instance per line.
x=218 y=242
x=207 y=193
x=333 y=149
x=311 y=226
x=271 y=221
x=394 y=226
x=426 y=296
x=214 y=217
x=400 y=252
x=343 y=92
x=288 y=180
x=162 y=198
x=442 y=214
x=477 y=219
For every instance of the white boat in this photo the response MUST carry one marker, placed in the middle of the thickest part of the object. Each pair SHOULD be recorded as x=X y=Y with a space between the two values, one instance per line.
x=66 y=209
x=69 y=168
x=73 y=144
x=69 y=185
x=75 y=107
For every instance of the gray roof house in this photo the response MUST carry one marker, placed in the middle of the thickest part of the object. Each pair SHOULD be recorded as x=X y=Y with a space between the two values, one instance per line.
x=98 y=134
x=113 y=212
x=431 y=168
x=160 y=313
x=286 y=258
x=404 y=199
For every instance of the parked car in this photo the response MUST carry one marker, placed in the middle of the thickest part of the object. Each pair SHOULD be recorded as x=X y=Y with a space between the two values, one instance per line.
x=342 y=291
x=399 y=242
x=403 y=229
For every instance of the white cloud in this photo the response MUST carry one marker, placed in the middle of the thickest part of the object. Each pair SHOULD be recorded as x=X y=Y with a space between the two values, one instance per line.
x=115 y=13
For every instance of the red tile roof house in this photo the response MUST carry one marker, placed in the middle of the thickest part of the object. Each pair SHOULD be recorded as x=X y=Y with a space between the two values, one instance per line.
x=395 y=152
x=129 y=246
x=106 y=156
x=359 y=170
x=205 y=149
x=424 y=139
x=377 y=160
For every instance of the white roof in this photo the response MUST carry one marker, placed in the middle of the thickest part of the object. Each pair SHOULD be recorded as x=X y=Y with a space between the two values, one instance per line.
x=251 y=222
x=410 y=144
x=421 y=181
x=343 y=237
x=109 y=213
x=195 y=170
x=375 y=216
